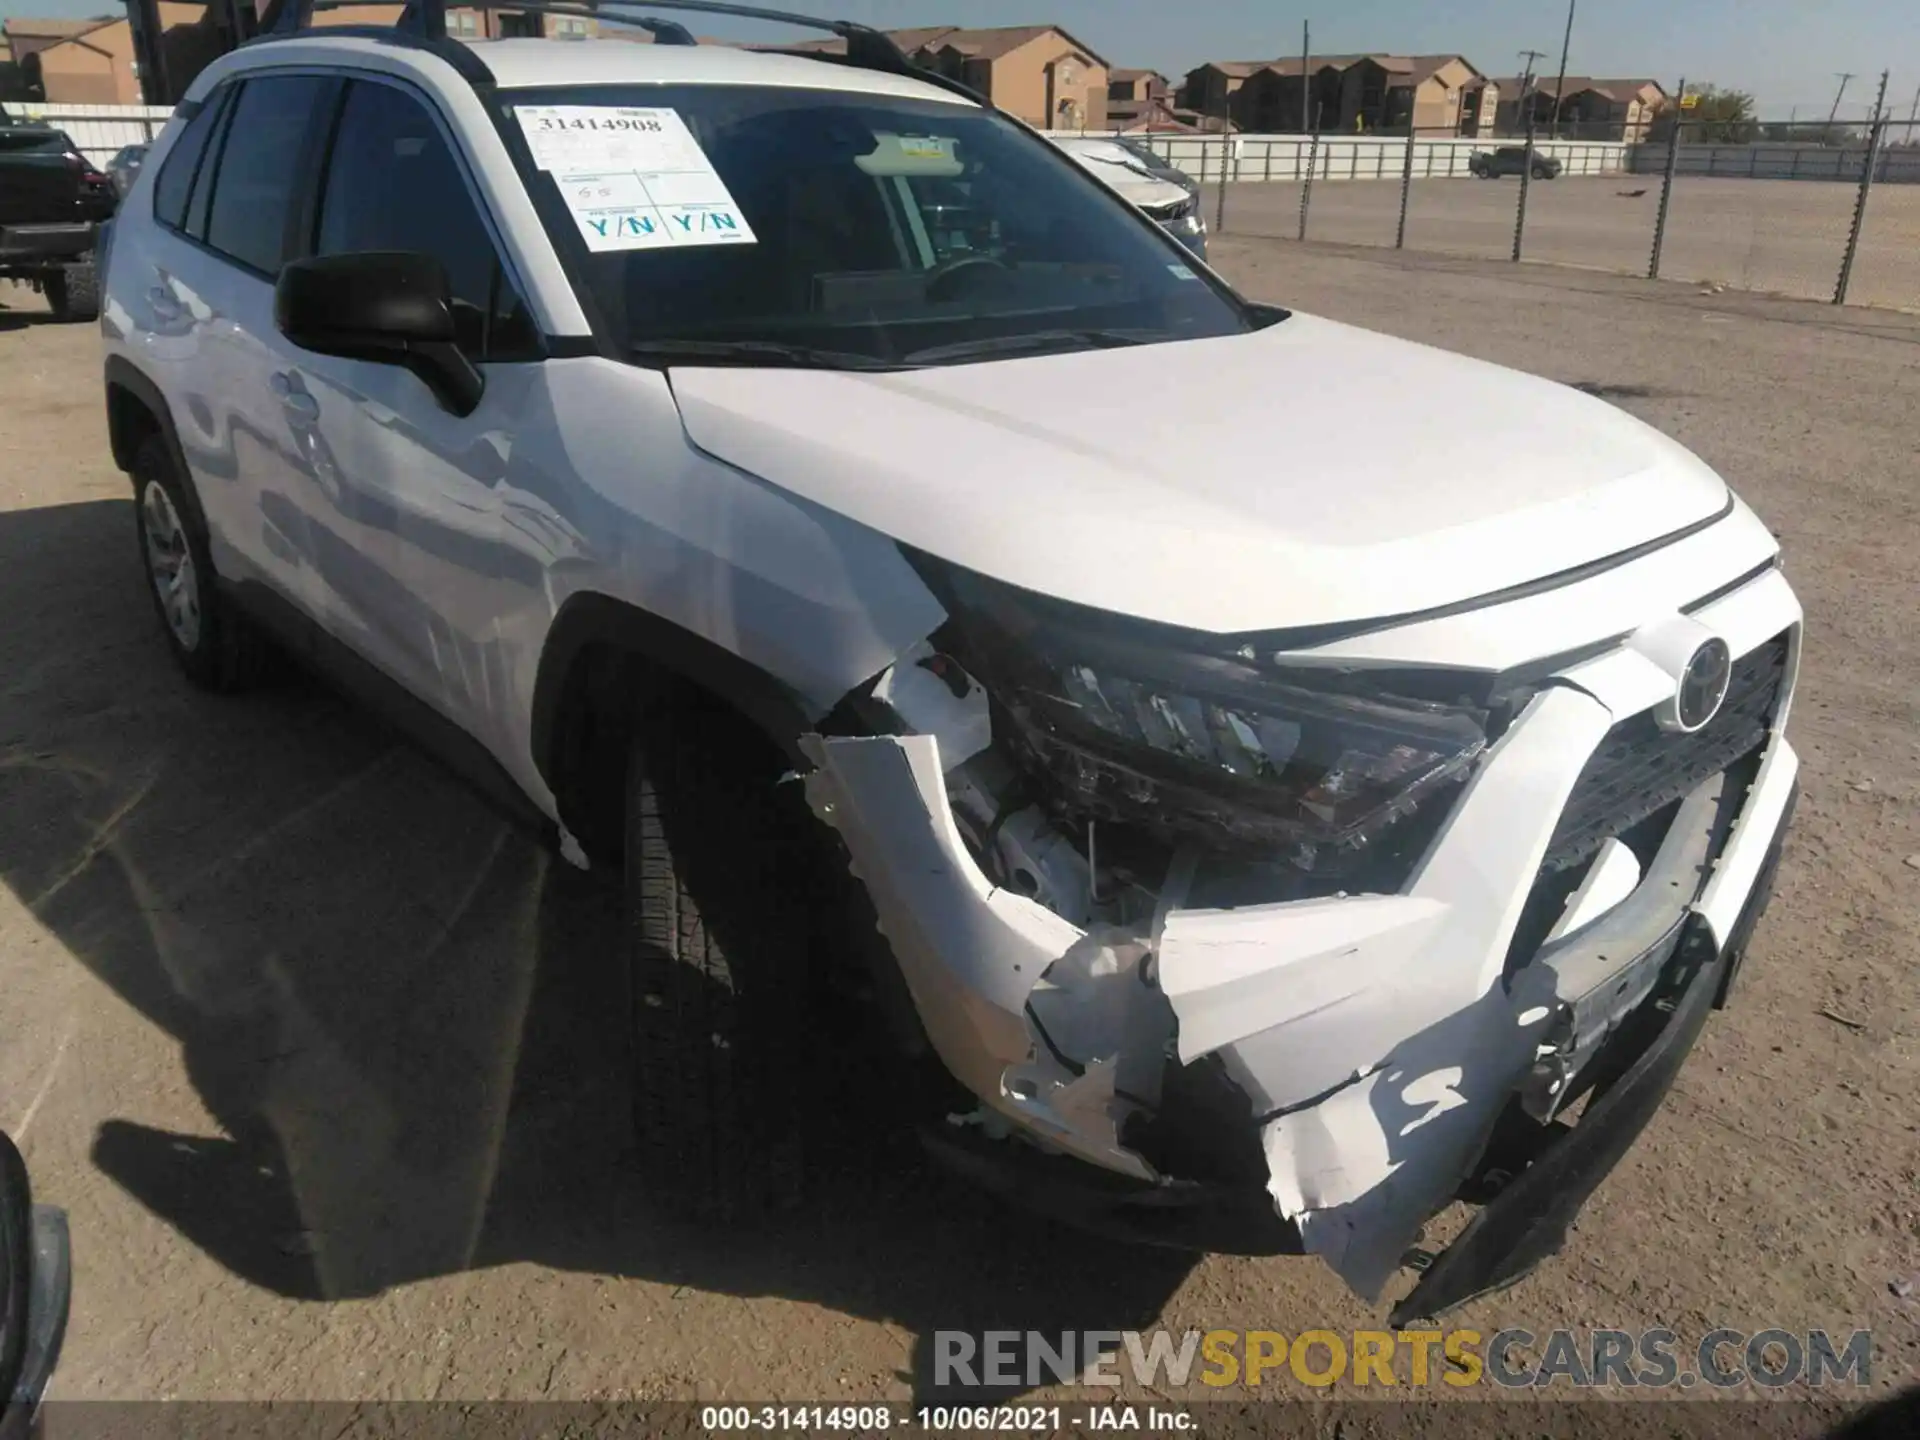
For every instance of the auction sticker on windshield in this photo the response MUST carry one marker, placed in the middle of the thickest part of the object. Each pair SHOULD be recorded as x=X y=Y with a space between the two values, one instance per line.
x=633 y=178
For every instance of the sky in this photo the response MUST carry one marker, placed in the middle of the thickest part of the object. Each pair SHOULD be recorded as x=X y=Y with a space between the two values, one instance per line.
x=1786 y=53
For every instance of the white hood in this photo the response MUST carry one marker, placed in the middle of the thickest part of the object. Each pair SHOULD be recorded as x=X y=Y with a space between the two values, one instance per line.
x=1310 y=473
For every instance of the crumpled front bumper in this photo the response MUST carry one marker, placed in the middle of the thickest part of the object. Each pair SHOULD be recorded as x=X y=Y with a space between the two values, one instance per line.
x=1375 y=1042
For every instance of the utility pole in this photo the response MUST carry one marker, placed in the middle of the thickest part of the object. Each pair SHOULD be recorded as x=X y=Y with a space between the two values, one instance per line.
x=1306 y=77
x=1826 y=137
x=1524 y=100
x=1560 y=85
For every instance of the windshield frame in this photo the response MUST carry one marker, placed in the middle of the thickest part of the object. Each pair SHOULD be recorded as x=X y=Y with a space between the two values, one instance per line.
x=572 y=253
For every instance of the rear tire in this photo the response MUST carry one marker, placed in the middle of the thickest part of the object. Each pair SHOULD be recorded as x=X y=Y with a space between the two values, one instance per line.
x=718 y=941
x=213 y=644
x=73 y=292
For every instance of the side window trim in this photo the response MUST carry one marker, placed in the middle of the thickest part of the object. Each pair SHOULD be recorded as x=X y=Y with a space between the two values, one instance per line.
x=316 y=156
x=216 y=103
x=503 y=261
x=199 y=202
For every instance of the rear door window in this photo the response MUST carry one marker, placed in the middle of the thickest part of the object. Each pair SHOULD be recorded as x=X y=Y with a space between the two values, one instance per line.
x=259 y=174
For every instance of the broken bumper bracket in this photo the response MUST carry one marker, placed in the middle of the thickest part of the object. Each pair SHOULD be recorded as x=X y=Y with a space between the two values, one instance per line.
x=1527 y=1222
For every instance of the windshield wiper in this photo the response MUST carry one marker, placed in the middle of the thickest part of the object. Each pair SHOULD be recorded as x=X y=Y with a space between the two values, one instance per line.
x=1041 y=340
x=768 y=353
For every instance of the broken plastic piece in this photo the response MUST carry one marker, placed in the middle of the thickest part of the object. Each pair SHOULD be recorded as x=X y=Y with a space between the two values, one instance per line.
x=934 y=696
x=1096 y=1003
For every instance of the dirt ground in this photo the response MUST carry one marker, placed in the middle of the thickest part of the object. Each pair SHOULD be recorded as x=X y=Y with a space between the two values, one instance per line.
x=1784 y=237
x=325 y=1062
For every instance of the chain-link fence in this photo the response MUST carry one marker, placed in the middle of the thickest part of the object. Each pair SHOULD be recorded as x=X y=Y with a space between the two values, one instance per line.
x=1816 y=212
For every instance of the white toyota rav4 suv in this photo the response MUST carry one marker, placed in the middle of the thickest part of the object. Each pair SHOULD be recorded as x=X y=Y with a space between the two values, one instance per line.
x=1282 y=774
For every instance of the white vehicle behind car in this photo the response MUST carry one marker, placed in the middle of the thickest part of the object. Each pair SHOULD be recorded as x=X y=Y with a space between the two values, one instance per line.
x=1166 y=202
x=1267 y=774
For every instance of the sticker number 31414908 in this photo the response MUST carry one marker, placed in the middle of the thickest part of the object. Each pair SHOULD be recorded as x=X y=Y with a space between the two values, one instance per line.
x=633 y=178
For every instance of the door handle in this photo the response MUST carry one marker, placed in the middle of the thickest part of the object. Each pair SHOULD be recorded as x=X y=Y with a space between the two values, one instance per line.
x=301 y=408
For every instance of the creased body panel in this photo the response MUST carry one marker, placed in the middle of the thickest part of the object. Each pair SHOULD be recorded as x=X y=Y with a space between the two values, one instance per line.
x=632 y=511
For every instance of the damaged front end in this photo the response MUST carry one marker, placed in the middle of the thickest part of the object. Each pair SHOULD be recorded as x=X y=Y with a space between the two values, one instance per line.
x=1288 y=954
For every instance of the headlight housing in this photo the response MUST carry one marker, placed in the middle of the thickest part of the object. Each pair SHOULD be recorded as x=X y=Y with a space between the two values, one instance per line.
x=1204 y=738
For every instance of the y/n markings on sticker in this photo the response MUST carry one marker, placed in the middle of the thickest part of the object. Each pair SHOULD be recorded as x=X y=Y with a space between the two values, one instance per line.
x=633 y=177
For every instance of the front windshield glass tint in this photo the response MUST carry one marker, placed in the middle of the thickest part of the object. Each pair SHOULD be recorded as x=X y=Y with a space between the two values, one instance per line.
x=883 y=230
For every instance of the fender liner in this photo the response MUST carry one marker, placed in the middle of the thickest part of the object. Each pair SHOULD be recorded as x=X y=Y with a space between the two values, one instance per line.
x=660 y=648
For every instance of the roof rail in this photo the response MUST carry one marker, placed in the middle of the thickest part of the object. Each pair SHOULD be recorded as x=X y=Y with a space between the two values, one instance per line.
x=424 y=23
x=867 y=47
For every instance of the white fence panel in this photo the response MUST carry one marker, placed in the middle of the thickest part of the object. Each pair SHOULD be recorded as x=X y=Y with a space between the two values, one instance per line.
x=1358 y=157
x=98 y=131
x=1898 y=165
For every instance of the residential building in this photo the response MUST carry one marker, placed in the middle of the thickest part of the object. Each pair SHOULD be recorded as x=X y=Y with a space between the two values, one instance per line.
x=1129 y=90
x=1143 y=101
x=1589 y=108
x=1209 y=89
x=23 y=37
x=93 y=62
x=1345 y=94
x=1038 y=72
x=109 y=60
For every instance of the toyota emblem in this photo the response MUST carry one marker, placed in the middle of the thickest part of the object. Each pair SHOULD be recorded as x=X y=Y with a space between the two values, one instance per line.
x=1703 y=685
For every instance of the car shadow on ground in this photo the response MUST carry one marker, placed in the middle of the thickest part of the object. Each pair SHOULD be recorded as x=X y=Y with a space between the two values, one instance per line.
x=406 y=1017
x=20 y=307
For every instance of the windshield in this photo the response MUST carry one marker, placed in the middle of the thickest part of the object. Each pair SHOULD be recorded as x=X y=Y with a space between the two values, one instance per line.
x=795 y=226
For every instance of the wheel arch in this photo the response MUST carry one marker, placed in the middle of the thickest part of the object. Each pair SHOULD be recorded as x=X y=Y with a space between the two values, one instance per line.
x=137 y=409
x=605 y=664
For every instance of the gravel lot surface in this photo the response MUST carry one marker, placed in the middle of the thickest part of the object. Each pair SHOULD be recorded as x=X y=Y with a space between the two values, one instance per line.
x=326 y=1065
x=1781 y=236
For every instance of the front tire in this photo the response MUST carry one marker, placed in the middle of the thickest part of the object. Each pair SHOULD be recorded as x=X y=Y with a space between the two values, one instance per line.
x=211 y=642
x=718 y=945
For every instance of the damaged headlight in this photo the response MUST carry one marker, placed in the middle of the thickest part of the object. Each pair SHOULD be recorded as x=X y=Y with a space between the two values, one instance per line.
x=1159 y=729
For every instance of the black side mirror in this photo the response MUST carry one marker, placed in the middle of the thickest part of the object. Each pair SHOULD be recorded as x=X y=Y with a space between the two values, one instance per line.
x=389 y=306
x=36 y=1287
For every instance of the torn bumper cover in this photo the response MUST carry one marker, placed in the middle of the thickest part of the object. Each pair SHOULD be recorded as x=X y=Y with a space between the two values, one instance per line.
x=1373 y=1044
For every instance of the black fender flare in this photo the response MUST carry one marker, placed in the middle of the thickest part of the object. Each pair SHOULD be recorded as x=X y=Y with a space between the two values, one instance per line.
x=123 y=375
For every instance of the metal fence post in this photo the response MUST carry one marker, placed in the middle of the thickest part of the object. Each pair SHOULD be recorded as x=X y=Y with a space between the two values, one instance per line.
x=1406 y=188
x=1526 y=178
x=1306 y=189
x=1666 y=198
x=1220 y=206
x=1859 y=210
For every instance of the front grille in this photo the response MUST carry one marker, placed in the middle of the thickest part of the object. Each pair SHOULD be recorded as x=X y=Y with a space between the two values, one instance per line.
x=1171 y=210
x=1640 y=768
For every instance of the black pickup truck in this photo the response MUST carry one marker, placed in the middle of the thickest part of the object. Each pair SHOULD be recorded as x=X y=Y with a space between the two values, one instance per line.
x=52 y=205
